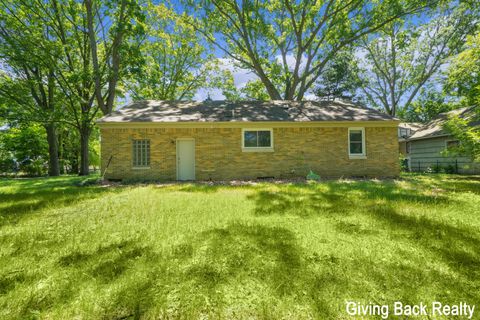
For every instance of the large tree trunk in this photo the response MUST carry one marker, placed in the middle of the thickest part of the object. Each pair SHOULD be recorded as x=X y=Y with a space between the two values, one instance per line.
x=61 y=151
x=53 y=163
x=84 y=161
x=74 y=162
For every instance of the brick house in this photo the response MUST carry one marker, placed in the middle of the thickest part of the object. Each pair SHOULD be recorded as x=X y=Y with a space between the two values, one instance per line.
x=166 y=140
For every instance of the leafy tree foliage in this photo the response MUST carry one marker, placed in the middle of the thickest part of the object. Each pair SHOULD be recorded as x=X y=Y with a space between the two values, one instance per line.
x=24 y=148
x=69 y=49
x=254 y=90
x=469 y=136
x=404 y=57
x=27 y=81
x=287 y=44
x=429 y=104
x=174 y=63
x=464 y=72
x=111 y=26
x=339 y=79
x=464 y=80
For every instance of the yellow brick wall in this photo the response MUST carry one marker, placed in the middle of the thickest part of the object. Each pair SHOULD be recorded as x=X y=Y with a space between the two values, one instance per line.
x=219 y=156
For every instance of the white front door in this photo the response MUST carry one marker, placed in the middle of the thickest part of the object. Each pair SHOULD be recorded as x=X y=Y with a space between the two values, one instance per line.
x=185 y=159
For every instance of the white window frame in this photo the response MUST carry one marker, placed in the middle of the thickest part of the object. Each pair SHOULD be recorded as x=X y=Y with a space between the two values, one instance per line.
x=362 y=155
x=136 y=167
x=257 y=149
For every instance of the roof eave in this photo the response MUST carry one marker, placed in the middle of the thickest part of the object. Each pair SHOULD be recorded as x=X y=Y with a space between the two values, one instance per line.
x=186 y=124
x=429 y=137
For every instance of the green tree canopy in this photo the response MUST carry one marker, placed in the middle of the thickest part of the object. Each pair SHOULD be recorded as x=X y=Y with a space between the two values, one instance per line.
x=24 y=147
x=287 y=44
x=174 y=63
x=27 y=80
x=428 y=105
x=339 y=78
x=404 y=57
x=76 y=50
x=464 y=81
x=464 y=72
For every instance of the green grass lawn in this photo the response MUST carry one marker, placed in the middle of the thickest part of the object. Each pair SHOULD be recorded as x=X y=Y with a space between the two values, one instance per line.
x=70 y=249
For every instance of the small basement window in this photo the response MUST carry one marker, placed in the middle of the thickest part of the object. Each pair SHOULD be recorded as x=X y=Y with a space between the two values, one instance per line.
x=356 y=142
x=257 y=140
x=141 y=153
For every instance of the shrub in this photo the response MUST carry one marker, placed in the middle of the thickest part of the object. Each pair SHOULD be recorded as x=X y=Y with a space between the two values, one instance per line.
x=404 y=164
x=7 y=161
x=450 y=169
x=437 y=168
x=7 y=165
x=34 y=167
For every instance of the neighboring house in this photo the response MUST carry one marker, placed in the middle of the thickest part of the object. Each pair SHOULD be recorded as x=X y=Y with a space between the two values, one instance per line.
x=406 y=130
x=165 y=140
x=426 y=149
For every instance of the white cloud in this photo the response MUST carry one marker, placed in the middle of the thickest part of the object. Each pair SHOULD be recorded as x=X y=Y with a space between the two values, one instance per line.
x=291 y=60
x=310 y=96
x=240 y=78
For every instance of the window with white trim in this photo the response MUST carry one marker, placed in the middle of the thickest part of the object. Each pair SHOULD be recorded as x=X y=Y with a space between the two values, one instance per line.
x=356 y=141
x=261 y=138
x=141 y=153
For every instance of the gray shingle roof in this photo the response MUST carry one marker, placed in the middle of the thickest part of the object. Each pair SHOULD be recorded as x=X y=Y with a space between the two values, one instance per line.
x=251 y=111
x=407 y=129
x=434 y=128
x=411 y=125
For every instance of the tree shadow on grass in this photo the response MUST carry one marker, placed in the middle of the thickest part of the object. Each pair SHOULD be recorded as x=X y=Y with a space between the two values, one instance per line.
x=452 y=183
x=461 y=185
x=282 y=270
x=229 y=252
x=251 y=267
x=335 y=198
x=459 y=247
x=31 y=195
x=106 y=263
x=466 y=178
x=103 y=265
x=9 y=281
x=354 y=228
x=255 y=263
x=388 y=281
x=201 y=272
